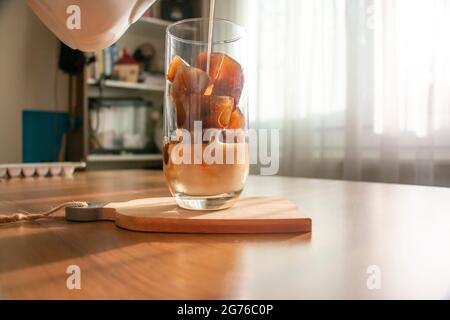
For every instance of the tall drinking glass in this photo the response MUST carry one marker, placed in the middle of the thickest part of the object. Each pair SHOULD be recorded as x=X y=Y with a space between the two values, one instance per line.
x=206 y=156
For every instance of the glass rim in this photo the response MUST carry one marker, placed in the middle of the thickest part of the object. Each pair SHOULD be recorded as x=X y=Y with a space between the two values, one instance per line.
x=241 y=33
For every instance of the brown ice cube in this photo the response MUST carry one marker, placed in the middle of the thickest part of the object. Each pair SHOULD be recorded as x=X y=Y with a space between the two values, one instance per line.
x=227 y=76
x=214 y=112
x=215 y=63
x=177 y=92
x=178 y=87
x=188 y=85
x=196 y=109
x=196 y=80
x=237 y=120
x=180 y=113
x=173 y=68
x=189 y=108
x=220 y=110
x=189 y=80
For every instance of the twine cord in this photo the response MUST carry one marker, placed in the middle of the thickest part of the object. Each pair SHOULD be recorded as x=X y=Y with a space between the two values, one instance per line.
x=27 y=216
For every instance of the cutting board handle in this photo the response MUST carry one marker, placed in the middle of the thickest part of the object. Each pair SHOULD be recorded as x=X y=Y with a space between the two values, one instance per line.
x=96 y=211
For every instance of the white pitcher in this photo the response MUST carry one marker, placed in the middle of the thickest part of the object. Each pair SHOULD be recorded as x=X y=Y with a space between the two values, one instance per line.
x=89 y=25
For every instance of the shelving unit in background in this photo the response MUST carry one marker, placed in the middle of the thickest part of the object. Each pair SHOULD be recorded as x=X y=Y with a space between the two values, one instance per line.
x=131 y=86
x=149 y=26
x=145 y=30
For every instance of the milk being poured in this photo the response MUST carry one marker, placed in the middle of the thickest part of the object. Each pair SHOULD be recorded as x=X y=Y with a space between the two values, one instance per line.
x=210 y=33
x=89 y=25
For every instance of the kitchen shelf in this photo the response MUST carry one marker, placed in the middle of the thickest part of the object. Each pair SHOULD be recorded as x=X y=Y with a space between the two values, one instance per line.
x=155 y=21
x=130 y=85
x=152 y=27
x=123 y=157
x=146 y=30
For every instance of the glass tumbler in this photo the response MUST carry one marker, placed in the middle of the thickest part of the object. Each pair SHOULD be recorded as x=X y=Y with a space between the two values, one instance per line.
x=206 y=153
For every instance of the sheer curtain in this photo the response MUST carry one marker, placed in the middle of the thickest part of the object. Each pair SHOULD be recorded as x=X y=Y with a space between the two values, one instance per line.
x=360 y=89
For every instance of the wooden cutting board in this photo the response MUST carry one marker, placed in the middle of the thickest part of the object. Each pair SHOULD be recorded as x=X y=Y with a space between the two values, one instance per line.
x=248 y=215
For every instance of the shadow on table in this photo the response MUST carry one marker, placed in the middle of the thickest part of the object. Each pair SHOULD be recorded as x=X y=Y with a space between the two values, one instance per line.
x=29 y=244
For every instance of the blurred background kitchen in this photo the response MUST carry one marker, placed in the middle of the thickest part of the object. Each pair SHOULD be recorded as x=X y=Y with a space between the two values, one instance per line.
x=359 y=88
x=103 y=108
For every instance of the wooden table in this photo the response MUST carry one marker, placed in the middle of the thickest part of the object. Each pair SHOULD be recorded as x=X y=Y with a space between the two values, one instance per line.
x=402 y=230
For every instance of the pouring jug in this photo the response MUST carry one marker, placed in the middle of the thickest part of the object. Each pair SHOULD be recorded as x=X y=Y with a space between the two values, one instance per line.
x=89 y=25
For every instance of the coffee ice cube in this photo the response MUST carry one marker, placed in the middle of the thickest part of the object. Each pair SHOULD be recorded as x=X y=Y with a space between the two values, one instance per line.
x=180 y=112
x=227 y=76
x=196 y=80
x=173 y=68
x=220 y=110
x=237 y=120
x=214 y=112
x=188 y=81
x=177 y=92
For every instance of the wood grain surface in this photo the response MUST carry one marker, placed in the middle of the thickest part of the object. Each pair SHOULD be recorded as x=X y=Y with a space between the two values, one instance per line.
x=402 y=230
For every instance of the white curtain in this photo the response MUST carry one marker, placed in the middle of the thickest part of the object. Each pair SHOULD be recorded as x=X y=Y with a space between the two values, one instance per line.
x=360 y=89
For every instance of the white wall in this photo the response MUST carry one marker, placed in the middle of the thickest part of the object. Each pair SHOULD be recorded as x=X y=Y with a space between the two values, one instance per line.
x=28 y=68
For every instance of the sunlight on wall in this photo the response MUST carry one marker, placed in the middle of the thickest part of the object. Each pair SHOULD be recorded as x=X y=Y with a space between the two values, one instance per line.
x=412 y=71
